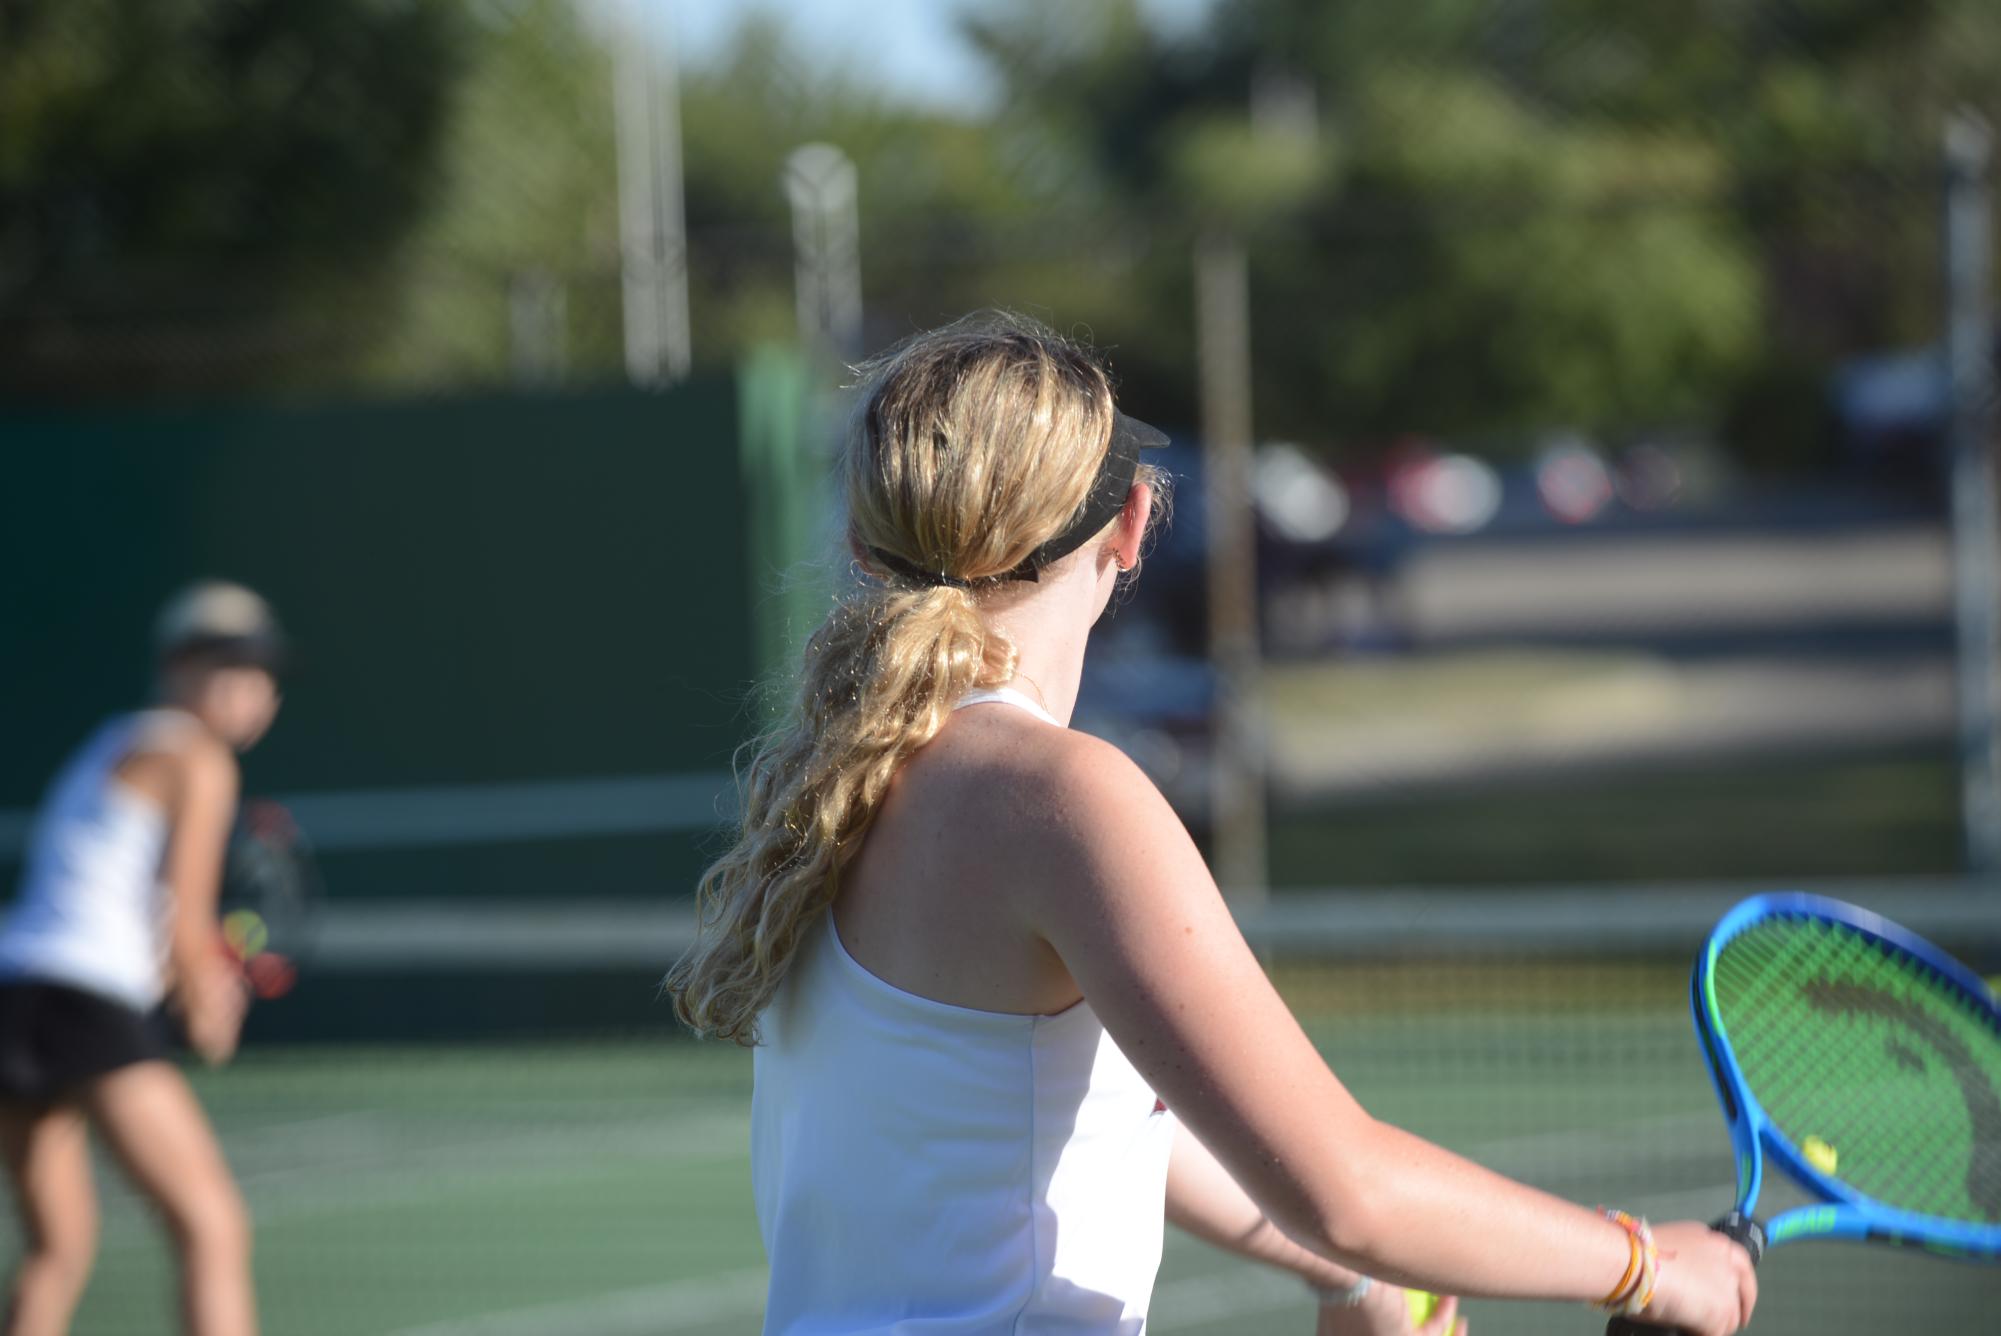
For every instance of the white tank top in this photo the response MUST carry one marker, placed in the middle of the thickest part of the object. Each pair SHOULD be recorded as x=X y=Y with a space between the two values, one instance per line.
x=924 y=1169
x=92 y=912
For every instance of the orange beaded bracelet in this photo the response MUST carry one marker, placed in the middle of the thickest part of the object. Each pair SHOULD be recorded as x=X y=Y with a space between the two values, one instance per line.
x=1632 y=1273
x=1635 y=1289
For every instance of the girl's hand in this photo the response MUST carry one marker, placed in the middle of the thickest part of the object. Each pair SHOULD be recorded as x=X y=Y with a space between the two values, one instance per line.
x=213 y=1001
x=1385 y=1312
x=1707 y=1284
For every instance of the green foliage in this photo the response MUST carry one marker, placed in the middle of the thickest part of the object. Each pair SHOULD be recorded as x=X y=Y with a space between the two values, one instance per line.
x=179 y=178
x=943 y=200
x=1829 y=113
x=527 y=191
x=1463 y=218
x=1234 y=175
x=1580 y=211
x=1439 y=252
x=1508 y=270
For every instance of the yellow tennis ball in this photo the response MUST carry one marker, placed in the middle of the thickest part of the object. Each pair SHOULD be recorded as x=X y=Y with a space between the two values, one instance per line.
x=1423 y=1303
x=1819 y=1154
x=245 y=932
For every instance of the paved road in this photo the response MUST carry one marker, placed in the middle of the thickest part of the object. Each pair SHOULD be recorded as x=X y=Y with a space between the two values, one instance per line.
x=1684 y=646
x=1580 y=585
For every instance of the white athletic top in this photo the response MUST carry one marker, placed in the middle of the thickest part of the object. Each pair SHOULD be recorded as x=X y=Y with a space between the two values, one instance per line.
x=92 y=912
x=924 y=1169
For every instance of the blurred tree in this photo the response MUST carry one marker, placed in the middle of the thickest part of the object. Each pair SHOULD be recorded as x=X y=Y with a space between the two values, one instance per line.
x=1545 y=211
x=529 y=190
x=1467 y=217
x=1452 y=258
x=1829 y=114
x=1492 y=269
x=957 y=211
x=954 y=213
x=517 y=260
x=205 y=194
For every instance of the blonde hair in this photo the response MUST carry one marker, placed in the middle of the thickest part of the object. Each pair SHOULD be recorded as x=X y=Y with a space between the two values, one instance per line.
x=972 y=445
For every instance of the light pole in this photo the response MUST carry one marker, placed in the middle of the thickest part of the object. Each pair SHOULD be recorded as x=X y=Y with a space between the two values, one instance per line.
x=820 y=185
x=1237 y=771
x=652 y=218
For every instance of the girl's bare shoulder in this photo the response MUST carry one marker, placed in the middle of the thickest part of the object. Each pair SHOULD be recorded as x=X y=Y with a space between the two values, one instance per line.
x=166 y=763
x=1023 y=791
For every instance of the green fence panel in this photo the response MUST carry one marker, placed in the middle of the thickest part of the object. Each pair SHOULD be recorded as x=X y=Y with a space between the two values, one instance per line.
x=525 y=590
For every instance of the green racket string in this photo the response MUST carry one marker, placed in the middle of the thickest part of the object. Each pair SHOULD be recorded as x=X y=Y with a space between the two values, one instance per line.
x=1871 y=1052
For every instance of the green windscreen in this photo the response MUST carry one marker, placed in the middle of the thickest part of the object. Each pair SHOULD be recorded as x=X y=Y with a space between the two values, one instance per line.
x=1884 y=1075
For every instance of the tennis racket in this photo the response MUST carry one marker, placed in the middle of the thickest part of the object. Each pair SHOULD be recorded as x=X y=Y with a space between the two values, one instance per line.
x=1866 y=1064
x=270 y=898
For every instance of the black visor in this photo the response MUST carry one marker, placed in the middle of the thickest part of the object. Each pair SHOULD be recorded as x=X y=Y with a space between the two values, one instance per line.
x=267 y=650
x=1107 y=497
x=1108 y=494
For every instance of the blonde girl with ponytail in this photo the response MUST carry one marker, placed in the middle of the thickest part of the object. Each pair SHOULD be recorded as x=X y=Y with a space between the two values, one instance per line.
x=1004 y=1025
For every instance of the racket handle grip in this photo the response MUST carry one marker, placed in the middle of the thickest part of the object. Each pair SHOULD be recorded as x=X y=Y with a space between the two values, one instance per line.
x=1740 y=1229
x=1743 y=1231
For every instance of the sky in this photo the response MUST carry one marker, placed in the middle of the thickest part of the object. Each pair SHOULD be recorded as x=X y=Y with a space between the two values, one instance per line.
x=912 y=45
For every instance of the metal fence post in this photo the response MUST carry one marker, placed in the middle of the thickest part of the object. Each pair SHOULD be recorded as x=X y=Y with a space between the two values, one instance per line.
x=1237 y=783
x=1970 y=363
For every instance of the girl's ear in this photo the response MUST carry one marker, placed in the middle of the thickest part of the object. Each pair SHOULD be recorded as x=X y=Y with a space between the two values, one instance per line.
x=1131 y=529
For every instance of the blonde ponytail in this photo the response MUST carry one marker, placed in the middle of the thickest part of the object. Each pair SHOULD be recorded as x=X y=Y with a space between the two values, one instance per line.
x=974 y=444
x=881 y=675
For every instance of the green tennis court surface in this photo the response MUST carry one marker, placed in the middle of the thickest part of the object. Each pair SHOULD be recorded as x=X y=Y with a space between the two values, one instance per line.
x=603 y=1189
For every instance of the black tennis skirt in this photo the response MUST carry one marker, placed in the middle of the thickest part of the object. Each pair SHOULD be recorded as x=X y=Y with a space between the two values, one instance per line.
x=53 y=1038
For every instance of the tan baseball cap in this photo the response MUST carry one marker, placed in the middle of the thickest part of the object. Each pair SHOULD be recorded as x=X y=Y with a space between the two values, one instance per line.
x=223 y=620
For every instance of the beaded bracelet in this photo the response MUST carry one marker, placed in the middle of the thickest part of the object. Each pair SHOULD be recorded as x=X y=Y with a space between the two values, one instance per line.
x=1644 y=1292
x=1343 y=1298
x=1635 y=1289
x=1634 y=1262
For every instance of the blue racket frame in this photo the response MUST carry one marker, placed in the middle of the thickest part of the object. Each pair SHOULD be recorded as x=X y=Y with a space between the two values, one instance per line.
x=1842 y=1212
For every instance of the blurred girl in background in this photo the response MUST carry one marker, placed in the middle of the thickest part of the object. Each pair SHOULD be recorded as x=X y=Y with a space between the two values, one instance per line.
x=1004 y=1022
x=116 y=916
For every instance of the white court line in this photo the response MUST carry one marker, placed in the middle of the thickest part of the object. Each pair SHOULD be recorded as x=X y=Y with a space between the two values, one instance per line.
x=1243 y=1290
x=375 y=1164
x=643 y=1311
x=365 y=1160
x=681 y=1305
x=1240 y=1291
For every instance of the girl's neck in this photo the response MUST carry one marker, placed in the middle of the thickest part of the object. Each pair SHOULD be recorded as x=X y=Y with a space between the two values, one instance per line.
x=1049 y=630
x=179 y=704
